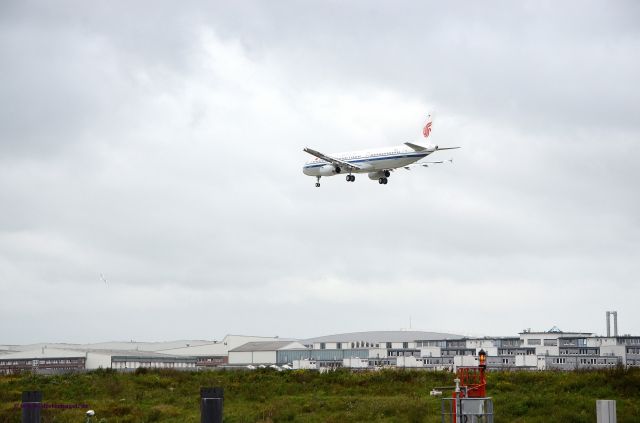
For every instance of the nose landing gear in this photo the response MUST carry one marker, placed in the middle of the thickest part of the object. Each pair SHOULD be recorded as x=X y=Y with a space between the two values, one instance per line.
x=383 y=181
x=318 y=182
x=351 y=178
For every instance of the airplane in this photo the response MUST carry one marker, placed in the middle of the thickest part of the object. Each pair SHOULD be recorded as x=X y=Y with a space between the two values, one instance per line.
x=377 y=164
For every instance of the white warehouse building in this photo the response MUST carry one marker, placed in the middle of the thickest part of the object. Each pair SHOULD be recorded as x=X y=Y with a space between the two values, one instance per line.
x=265 y=353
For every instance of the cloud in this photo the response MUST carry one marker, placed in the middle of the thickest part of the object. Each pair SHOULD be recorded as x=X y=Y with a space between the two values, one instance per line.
x=161 y=145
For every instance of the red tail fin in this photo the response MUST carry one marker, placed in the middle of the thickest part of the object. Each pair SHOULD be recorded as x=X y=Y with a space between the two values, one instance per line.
x=427 y=128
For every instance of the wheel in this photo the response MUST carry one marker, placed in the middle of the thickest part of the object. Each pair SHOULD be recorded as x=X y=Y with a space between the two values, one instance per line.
x=348 y=178
x=353 y=178
x=381 y=181
x=317 y=184
x=385 y=181
x=387 y=173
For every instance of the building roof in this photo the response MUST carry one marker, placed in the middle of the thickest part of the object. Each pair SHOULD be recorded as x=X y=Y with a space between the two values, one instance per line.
x=134 y=353
x=43 y=353
x=117 y=345
x=384 y=336
x=268 y=346
x=143 y=346
x=220 y=348
x=557 y=333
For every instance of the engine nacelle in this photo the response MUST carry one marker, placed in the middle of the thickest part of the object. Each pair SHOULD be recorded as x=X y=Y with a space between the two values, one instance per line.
x=379 y=174
x=329 y=170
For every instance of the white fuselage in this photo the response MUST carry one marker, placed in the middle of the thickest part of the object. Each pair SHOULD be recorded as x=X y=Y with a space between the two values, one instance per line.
x=369 y=160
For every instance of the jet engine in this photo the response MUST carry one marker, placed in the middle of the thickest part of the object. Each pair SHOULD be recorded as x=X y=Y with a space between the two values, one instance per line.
x=379 y=174
x=329 y=170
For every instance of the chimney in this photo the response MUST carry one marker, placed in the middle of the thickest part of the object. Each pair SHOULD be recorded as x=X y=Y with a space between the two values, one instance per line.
x=615 y=323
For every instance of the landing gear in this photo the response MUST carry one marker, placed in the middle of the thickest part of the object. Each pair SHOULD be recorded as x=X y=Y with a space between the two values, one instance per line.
x=383 y=181
x=318 y=182
x=351 y=178
x=386 y=174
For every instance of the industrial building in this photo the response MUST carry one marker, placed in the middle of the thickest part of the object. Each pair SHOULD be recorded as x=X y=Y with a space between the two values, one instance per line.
x=44 y=361
x=121 y=356
x=530 y=350
x=55 y=361
x=263 y=352
x=215 y=354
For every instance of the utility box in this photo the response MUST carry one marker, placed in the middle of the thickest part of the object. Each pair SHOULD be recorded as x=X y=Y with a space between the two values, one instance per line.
x=606 y=411
x=467 y=410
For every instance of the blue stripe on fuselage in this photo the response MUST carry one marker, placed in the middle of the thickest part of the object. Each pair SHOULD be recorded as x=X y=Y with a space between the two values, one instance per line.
x=371 y=159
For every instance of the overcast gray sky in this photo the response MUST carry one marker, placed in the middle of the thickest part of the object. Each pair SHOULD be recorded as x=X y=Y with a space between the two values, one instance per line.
x=160 y=144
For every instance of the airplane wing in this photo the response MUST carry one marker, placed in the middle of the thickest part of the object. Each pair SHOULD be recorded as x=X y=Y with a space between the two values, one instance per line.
x=337 y=162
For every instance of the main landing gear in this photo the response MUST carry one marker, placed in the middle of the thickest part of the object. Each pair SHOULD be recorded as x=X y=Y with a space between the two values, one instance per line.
x=318 y=182
x=384 y=180
x=351 y=178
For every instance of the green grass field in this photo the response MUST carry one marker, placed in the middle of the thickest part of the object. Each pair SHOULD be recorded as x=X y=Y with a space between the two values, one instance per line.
x=304 y=396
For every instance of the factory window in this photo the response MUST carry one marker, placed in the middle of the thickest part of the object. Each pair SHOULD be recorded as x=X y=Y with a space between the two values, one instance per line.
x=405 y=345
x=505 y=361
x=388 y=344
x=322 y=345
x=550 y=342
x=339 y=346
x=534 y=341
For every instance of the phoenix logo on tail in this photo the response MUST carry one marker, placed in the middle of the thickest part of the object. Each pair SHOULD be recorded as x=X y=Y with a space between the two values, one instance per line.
x=427 y=128
x=377 y=164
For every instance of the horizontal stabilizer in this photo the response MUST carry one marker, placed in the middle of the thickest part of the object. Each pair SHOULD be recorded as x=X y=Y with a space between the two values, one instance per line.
x=426 y=163
x=416 y=147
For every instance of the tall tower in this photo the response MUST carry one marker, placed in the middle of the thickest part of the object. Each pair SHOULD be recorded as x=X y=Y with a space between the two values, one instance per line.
x=615 y=323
